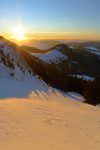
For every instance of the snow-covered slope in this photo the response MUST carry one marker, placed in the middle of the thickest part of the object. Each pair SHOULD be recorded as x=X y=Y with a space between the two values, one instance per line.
x=11 y=62
x=11 y=88
x=48 y=122
x=84 y=77
x=15 y=73
x=52 y=56
x=93 y=50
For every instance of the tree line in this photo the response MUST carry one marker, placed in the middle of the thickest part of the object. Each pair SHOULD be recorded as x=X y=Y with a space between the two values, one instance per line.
x=61 y=79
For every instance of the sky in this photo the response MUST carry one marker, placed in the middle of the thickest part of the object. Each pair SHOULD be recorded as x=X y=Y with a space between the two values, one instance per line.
x=65 y=19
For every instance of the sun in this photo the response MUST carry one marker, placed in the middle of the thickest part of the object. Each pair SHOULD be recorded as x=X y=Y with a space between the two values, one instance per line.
x=18 y=33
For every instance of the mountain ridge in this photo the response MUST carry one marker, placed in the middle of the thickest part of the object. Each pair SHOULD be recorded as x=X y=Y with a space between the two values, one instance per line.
x=68 y=69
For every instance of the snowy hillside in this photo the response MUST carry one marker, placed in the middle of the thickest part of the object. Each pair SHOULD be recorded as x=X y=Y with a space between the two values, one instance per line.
x=93 y=50
x=11 y=62
x=11 y=88
x=52 y=56
x=15 y=73
x=84 y=77
x=48 y=122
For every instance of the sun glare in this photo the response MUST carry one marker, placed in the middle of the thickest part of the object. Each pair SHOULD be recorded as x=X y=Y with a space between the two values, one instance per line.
x=18 y=33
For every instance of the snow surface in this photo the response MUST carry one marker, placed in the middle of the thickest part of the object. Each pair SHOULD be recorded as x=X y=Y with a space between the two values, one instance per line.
x=75 y=62
x=11 y=87
x=52 y=56
x=93 y=50
x=84 y=77
x=48 y=122
x=75 y=96
x=15 y=59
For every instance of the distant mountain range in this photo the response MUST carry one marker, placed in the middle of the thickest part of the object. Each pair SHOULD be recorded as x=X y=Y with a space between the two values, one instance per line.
x=82 y=59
